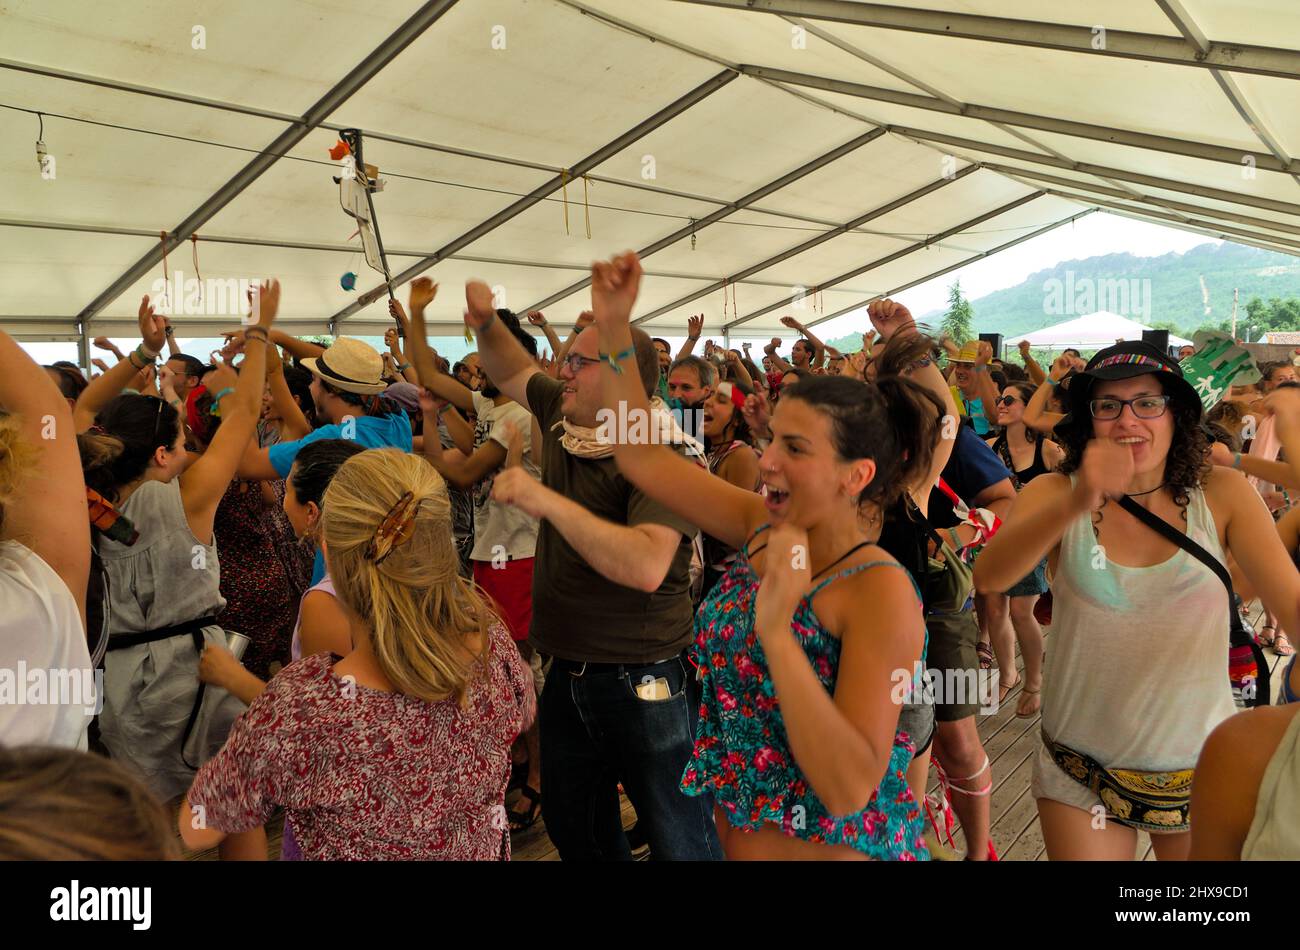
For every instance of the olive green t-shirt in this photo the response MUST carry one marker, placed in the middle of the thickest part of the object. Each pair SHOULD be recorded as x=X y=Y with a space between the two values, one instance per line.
x=578 y=613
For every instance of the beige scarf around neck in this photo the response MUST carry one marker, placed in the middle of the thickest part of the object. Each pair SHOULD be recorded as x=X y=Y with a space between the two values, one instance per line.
x=585 y=442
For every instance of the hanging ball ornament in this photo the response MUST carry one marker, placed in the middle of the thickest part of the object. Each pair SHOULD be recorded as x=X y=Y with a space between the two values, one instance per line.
x=348 y=281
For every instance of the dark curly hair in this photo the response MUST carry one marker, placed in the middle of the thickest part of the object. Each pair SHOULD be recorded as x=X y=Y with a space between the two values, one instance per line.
x=1187 y=465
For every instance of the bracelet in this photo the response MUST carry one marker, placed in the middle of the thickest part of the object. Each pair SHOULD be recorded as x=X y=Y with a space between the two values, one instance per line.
x=147 y=355
x=980 y=367
x=445 y=407
x=614 y=359
x=256 y=333
x=130 y=358
x=403 y=367
x=169 y=331
x=1236 y=460
x=216 y=401
x=1053 y=382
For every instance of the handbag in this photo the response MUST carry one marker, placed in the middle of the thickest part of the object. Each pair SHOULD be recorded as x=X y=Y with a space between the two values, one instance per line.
x=1248 y=670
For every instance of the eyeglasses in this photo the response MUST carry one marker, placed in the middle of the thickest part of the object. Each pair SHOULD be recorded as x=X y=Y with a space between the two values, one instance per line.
x=576 y=361
x=1144 y=407
x=1008 y=401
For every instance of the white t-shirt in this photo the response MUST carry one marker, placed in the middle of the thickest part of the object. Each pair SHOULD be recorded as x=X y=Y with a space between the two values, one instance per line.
x=48 y=693
x=502 y=530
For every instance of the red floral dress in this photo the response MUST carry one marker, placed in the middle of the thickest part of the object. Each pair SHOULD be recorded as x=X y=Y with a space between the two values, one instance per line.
x=365 y=774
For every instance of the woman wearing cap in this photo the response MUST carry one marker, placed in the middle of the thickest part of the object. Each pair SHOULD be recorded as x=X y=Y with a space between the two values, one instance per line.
x=401 y=749
x=1137 y=676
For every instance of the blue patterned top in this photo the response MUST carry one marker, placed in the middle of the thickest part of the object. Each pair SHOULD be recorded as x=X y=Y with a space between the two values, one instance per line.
x=742 y=753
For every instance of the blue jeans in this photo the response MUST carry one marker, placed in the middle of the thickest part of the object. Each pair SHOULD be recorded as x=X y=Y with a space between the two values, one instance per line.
x=595 y=733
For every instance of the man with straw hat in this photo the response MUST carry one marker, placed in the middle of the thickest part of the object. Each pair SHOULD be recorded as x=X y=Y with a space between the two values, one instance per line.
x=973 y=390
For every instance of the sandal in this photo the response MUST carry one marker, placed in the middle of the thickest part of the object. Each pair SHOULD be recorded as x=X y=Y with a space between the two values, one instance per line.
x=526 y=819
x=1005 y=688
x=1281 y=645
x=985 y=653
x=1020 y=705
x=1265 y=641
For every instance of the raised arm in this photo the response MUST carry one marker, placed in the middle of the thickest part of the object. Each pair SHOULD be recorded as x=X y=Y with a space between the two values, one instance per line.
x=777 y=361
x=47 y=510
x=206 y=480
x=460 y=470
x=538 y=319
x=423 y=291
x=1037 y=416
x=984 y=385
x=819 y=348
x=103 y=389
x=720 y=509
x=584 y=321
x=507 y=363
x=695 y=326
x=1032 y=369
x=293 y=424
x=173 y=348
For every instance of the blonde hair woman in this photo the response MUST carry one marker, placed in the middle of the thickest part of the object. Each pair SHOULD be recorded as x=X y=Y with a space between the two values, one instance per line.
x=401 y=749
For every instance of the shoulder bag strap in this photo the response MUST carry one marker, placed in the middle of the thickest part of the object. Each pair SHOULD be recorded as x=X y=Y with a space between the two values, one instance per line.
x=1168 y=531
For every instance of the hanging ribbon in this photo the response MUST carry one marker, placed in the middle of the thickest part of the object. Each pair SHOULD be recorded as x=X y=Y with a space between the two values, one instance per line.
x=162 y=236
x=586 y=210
x=692 y=234
x=564 y=193
x=194 y=248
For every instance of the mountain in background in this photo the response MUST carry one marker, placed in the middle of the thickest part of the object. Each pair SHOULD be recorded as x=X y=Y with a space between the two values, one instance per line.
x=1181 y=292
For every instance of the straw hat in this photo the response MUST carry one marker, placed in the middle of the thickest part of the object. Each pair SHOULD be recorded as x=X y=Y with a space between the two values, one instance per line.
x=350 y=365
x=970 y=352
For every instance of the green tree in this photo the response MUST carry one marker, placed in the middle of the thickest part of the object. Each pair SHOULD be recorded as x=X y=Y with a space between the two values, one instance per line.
x=959 y=321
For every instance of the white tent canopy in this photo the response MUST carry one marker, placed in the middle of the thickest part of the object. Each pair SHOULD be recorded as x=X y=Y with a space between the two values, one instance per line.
x=755 y=152
x=1090 y=332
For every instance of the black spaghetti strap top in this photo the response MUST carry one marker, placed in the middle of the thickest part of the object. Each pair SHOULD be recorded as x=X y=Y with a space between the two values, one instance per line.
x=1024 y=476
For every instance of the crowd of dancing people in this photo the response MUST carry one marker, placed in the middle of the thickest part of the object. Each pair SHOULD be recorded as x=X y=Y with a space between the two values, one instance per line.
x=405 y=608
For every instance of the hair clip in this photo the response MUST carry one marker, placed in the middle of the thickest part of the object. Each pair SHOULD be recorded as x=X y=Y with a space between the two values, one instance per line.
x=396 y=529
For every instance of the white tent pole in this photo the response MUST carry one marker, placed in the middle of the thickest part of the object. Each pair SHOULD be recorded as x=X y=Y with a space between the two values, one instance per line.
x=1024 y=120
x=957 y=229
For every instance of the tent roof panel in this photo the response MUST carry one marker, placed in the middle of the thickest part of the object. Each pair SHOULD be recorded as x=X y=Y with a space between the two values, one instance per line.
x=562 y=86
x=1253 y=22
x=54 y=273
x=246 y=59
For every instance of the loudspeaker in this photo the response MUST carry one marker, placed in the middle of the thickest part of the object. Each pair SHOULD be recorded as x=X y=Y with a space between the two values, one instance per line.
x=994 y=340
x=1157 y=338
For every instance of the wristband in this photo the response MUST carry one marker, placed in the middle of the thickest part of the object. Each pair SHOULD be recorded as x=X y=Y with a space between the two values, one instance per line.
x=1236 y=460
x=216 y=401
x=614 y=359
x=403 y=367
x=979 y=367
x=130 y=358
x=169 y=330
x=256 y=333
x=1053 y=382
x=147 y=355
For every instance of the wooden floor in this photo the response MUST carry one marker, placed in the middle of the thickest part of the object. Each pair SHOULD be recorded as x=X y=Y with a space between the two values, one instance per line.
x=1009 y=742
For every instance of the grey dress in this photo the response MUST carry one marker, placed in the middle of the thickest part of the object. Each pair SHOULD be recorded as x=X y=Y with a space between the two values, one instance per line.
x=166 y=578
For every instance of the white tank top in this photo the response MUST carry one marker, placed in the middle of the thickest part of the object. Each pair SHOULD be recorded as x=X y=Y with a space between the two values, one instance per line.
x=1275 y=834
x=1137 y=662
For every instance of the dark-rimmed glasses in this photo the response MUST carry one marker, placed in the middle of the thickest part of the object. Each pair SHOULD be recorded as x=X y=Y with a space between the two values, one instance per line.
x=1144 y=407
x=576 y=361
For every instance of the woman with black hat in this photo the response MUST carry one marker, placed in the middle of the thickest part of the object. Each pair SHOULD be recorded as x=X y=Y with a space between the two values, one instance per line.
x=1136 y=678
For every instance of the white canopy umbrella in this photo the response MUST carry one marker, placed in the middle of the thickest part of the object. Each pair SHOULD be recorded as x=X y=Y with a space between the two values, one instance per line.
x=1090 y=332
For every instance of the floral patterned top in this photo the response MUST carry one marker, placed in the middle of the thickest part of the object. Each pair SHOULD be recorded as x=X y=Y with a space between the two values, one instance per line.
x=365 y=774
x=742 y=754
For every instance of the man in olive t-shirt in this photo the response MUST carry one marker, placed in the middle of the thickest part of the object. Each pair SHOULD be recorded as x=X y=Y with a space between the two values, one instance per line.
x=611 y=603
